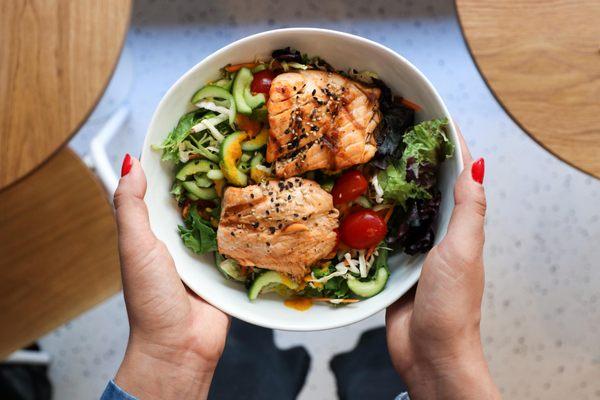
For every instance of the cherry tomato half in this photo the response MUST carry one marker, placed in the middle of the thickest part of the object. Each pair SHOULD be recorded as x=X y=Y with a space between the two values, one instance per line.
x=363 y=229
x=262 y=81
x=351 y=185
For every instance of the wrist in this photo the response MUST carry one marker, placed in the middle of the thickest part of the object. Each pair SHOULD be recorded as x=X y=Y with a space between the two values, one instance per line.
x=152 y=371
x=458 y=374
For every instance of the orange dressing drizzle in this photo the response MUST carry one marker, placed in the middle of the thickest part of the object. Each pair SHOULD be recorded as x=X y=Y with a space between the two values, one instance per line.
x=298 y=303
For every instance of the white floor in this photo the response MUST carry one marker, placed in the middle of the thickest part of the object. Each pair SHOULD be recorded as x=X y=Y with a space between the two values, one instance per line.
x=542 y=304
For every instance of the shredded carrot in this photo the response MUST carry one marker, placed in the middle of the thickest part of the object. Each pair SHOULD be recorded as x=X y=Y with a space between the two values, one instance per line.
x=388 y=215
x=340 y=300
x=237 y=67
x=185 y=211
x=411 y=105
x=370 y=252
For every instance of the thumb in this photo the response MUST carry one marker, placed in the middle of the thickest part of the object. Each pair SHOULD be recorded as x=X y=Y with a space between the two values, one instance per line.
x=131 y=212
x=468 y=217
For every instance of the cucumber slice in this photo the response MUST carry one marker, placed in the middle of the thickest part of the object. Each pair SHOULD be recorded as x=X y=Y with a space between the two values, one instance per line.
x=231 y=270
x=258 y=172
x=192 y=196
x=245 y=157
x=244 y=99
x=231 y=151
x=193 y=167
x=369 y=288
x=254 y=100
x=224 y=83
x=244 y=166
x=203 y=181
x=258 y=142
x=198 y=192
x=214 y=174
x=212 y=91
x=259 y=67
x=240 y=82
x=267 y=278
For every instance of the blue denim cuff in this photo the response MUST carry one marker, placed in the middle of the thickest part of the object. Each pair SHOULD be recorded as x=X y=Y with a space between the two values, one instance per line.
x=114 y=392
x=402 y=396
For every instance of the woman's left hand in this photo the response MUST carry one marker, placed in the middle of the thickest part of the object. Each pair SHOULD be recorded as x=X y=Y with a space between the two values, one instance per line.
x=176 y=338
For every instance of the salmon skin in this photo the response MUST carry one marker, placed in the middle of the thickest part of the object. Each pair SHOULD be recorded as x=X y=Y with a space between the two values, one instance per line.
x=285 y=226
x=320 y=120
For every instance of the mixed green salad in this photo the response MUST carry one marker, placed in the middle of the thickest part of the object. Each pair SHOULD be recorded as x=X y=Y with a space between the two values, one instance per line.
x=385 y=205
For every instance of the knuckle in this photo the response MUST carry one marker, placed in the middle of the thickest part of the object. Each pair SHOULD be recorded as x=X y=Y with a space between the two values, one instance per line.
x=119 y=198
x=479 y=201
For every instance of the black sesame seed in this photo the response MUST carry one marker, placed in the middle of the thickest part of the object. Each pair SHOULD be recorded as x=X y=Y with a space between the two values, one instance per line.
x=268 y=244
x=296 y=215
x=232 y=234
x=272 y=229
x=289 y=196
x=314 y=92
x=252 y=195
x=255 y=224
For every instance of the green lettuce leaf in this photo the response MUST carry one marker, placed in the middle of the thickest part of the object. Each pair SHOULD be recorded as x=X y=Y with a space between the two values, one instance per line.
x=395 y=187
x=426 y=146
x=197 y=234
x=170 y=146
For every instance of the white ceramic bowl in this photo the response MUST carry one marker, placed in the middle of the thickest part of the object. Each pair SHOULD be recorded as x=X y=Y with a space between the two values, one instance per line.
x=343 y=51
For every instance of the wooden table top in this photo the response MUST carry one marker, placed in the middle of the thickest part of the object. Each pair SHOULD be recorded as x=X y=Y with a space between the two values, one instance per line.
x=56 y=59
x=541 y=59
x=58 y=242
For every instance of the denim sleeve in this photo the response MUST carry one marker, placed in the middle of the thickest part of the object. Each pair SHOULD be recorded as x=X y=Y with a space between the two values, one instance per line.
x=114 y=392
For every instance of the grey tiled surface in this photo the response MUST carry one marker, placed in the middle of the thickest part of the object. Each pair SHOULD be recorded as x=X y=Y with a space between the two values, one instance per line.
x=541 y=309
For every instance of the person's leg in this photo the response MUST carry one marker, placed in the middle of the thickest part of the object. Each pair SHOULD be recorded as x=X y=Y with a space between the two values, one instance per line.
x=366 y=372
x=253 y=368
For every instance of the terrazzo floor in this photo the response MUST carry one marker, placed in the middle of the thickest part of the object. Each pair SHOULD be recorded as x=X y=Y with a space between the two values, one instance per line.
x=541 y=316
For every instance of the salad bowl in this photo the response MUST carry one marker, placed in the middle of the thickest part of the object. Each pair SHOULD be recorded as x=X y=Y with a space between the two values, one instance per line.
x=343 y=51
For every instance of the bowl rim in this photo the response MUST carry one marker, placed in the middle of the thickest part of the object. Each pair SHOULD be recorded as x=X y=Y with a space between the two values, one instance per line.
x=307 y=324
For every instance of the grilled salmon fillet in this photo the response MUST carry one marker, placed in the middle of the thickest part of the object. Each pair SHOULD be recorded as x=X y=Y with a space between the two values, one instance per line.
x=320 y=120
x=285 y=225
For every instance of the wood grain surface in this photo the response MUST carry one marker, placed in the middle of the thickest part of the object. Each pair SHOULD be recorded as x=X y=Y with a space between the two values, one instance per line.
x=541 y=58
x=56 y=58
x=58 y=250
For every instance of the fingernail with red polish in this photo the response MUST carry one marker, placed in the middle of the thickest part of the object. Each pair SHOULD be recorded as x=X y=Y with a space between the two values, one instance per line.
x=126 y=167
x=478 y=170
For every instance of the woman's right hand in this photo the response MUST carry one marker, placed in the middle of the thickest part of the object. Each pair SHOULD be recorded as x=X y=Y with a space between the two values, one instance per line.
x=433 y=335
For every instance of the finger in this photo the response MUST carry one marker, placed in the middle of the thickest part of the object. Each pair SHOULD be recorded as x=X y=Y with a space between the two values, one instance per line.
x=146 y=265
x=466 y=153
x=132 y=214
x=467 y=222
